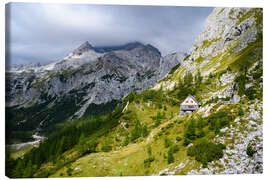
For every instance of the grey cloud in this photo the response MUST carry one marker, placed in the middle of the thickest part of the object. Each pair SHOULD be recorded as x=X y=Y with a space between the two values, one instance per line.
x=45 y=32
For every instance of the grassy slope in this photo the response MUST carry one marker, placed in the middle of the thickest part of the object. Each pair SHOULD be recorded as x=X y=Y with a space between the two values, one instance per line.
x=129 y=160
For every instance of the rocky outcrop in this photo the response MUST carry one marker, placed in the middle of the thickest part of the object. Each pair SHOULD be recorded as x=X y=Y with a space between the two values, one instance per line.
x=169 y=61
x=247 y=131
x=223 y=26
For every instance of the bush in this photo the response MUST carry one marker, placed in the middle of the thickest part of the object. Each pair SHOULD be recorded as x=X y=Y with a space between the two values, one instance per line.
x=250 y=150
x=153 y=95
x=170 y=155
x=175 y=148
x=189 y=132
x=165 y=108
x=147 y=162
x=126 y=140
x=240 y=111
x=69 y=171
x=138 y=131
x=186 y=141
x=219 y=120
x=167 y=142
x=178 y=138
x=250 y=93
x=130 y=97
x=205 y=152
x=186 y=86
x=106 y=147
x=158 y=118
x=149 y=150
x=88 y=147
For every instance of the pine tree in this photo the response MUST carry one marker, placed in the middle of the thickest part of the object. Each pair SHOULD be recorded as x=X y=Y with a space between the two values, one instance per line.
x=81 y=143
x=28 y=170
x=190 y=132
x=170 y=155
x=126 y=140
x=149 y=150
x=186 y=86
x=217 y=127
x=17 y=172
x=200 y=125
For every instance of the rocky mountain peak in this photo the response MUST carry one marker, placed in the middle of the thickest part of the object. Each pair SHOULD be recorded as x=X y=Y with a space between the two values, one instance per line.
x=23 y=67
x=86 y=46
x=132 y=45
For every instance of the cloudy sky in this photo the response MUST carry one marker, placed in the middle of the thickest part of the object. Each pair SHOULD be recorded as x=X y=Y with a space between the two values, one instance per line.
x=46 y=32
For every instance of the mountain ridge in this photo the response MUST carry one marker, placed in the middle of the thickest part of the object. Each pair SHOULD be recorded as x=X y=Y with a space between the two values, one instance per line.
x=86 y=78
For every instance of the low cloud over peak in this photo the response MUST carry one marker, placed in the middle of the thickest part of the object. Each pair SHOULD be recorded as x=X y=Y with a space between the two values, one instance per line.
x=46 y=32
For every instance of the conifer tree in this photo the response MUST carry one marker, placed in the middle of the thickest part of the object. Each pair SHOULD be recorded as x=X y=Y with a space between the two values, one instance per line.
x=28 y=170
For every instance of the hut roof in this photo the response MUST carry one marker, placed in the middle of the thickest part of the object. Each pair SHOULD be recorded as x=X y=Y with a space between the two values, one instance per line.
x=193 y=98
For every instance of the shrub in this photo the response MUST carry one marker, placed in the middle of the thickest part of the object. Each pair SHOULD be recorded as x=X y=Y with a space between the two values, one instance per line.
x=241 y=80
x=174 y=68
x=149 y=150
x=69 y=171
x=219 y=120
x=189 y=132
x=138 y=131
x=126 y=140
x=171 y=115
x=158 y=119
x=170 y=155
x=186 y=86
x=186 y=141
x=178 y=138
x=175 y=148
x=88 y=147
x=130 y=97
x=147 y=162
x=153 y=95
x=250 y=150
x=165 y=108
x=167 y=142
x=205 y=151
x=240 y=111
x=250 y=93
x=106 y=147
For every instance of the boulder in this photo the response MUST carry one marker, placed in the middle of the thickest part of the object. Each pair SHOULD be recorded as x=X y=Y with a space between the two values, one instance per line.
x=236 y=98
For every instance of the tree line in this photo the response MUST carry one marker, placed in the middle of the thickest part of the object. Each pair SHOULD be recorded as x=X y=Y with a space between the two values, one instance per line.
x=52 y=149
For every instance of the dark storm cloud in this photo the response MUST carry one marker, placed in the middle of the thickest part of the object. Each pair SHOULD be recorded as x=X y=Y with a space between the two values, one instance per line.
x=46 y=32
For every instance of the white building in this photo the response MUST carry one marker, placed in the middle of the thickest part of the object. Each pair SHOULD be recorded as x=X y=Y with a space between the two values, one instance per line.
x=189 y=105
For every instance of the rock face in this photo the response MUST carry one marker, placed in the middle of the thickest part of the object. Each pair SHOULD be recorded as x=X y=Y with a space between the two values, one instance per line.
x=222 y=27
x=88 y=77
x=169 y=61
x=226 y=30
